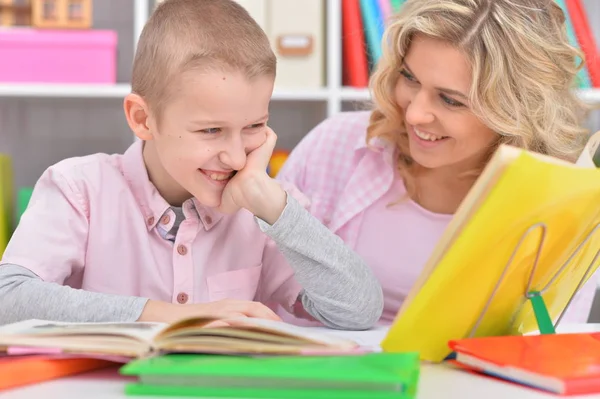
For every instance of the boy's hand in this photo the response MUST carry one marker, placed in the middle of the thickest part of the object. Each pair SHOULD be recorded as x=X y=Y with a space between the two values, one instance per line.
x=165 y=312
x=253 y=189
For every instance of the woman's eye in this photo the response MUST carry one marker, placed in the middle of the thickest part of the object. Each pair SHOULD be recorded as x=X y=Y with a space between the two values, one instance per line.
x=450 y=101
x=408 y=76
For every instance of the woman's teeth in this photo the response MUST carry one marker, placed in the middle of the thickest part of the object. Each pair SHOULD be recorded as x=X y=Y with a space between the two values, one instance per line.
x=427 y=136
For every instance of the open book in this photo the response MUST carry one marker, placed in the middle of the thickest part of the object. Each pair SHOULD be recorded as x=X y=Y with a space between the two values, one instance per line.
x=197 y=335
x=530 y=223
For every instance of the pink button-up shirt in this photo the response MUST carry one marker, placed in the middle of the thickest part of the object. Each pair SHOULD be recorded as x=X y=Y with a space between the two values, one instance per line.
x=98 y=223
x=346 y=182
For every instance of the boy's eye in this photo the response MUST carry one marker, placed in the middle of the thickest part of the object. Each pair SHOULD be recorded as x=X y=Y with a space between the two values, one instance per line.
x=211 y=130
x=451 y=102
x=256 y=126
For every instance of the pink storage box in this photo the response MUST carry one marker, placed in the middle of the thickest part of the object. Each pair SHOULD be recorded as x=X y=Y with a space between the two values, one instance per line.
x=58 y=56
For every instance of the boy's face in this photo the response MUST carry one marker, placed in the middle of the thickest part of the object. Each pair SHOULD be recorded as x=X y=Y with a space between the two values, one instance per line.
x=205 y=132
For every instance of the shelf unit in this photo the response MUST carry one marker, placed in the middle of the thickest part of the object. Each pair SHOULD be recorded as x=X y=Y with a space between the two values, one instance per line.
x=118 y=91
x=334 y=94
x=43 y=123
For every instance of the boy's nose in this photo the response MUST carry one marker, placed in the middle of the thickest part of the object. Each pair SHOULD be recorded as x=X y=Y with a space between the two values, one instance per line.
x=234 y=155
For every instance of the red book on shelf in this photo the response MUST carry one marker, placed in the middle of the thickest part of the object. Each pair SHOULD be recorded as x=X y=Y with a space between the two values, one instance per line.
x=355 y=67
x=585 y=37
x=565 y=364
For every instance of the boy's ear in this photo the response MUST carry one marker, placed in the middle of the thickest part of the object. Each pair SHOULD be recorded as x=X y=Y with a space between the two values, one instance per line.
x=137 y=113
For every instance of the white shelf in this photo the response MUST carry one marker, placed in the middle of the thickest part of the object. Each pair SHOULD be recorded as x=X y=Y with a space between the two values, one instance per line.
x=64 y=90
x=121 y=90
x=354 y=94
x=118 y=91
x=591 y=96
x=141 y=11
x=301 y=95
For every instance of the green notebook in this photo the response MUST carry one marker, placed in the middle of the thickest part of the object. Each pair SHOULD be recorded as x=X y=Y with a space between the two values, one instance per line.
x=6 y=200
x=373 y=376
x=23 y=197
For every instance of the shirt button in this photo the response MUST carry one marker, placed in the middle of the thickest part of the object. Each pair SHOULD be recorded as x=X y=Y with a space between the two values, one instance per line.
x=165 y=219
x=150 y=221
x=208 y=220
x=181 y=249
x=182 y=297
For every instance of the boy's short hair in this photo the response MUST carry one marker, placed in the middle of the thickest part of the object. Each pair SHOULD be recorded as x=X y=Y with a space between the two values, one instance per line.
x=181 y=35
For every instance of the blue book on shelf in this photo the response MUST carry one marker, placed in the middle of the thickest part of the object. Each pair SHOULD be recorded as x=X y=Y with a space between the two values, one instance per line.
x=374 y=26
x=583 y=77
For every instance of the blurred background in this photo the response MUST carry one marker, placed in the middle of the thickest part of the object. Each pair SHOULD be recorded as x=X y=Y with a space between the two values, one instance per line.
x=65 y=66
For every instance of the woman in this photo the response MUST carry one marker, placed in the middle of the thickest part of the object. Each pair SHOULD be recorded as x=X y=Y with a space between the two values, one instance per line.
x=457 y=79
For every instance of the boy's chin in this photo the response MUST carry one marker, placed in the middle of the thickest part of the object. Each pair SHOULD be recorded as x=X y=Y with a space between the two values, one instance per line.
x=208 y=201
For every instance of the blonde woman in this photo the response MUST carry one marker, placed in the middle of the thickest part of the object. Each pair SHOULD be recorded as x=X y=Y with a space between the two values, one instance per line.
x=457 y=78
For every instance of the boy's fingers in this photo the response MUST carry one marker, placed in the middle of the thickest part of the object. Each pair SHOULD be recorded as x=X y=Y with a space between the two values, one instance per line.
x=256 y=309
x=260 y=157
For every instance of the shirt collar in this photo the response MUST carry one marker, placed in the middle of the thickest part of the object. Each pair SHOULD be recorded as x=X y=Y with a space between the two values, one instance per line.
x=152 y=204
x=208 y=216
x=376 y=145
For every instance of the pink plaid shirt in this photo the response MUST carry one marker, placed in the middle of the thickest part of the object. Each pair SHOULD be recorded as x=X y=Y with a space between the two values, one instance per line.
x=342 y=177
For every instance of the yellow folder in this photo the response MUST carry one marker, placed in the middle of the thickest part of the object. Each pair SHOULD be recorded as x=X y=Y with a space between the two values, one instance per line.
x=518 y=192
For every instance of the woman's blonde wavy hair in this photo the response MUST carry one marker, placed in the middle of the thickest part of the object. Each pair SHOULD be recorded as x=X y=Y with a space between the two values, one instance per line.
x=523 y=71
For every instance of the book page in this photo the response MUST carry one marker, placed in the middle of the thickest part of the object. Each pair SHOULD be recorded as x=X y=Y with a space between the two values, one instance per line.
x=324 y=337
x=369 y=339
x=254 y=334
x=39 y=328
x=590 y=156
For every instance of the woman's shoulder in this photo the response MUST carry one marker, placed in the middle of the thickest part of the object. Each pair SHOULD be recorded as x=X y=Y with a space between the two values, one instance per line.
x=325 y=157
x=350 y=119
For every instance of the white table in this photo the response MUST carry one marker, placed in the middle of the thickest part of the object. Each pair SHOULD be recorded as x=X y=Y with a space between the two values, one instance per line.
x=436 y=382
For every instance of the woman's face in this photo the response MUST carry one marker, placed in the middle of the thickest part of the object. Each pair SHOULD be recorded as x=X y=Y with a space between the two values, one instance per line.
x=432 y=90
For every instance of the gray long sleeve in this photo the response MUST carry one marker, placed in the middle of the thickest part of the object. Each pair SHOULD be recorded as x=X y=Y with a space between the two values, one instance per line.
x=23 y=295
x=338 y=288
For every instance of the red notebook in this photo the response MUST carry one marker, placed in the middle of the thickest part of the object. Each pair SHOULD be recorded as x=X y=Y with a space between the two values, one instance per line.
x=16 y=371
x=565 y=364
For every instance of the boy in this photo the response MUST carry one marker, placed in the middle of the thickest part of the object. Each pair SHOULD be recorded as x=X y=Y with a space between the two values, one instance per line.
x=175 y=227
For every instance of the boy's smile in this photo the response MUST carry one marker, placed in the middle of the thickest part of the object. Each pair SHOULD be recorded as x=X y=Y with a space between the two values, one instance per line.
x=205 y=132
x=216 y=177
